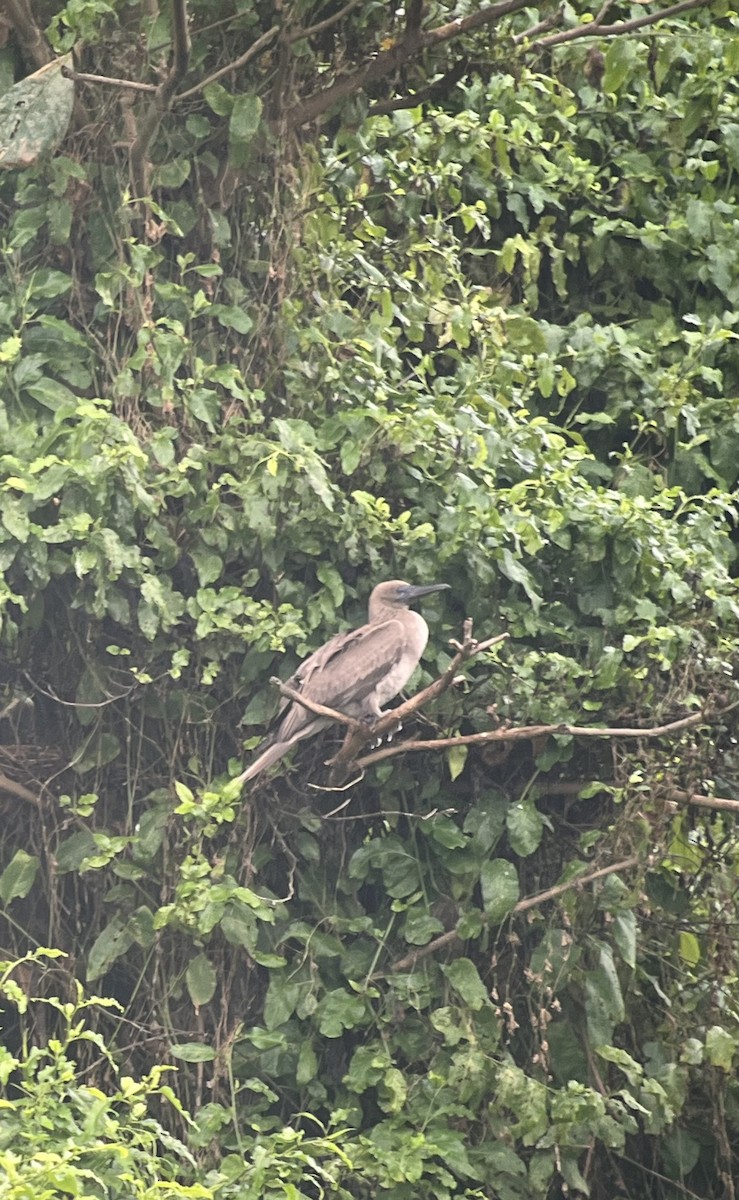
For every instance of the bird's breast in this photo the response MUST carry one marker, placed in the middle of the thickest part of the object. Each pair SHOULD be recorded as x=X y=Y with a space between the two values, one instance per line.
x=414 y=639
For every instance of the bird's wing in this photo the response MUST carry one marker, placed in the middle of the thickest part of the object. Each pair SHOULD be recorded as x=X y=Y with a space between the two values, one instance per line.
x=344 y=672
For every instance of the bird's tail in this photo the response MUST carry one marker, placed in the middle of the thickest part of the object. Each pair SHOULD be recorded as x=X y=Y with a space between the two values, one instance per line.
x=271 y=755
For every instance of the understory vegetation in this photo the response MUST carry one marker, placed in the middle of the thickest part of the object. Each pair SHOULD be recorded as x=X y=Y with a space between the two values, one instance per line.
x=446 y=294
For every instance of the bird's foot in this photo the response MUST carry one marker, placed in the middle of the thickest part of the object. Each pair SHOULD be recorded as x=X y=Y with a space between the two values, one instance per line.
x=385 y=737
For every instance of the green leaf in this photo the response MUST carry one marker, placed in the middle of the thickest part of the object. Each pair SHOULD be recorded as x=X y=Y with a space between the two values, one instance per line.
x=500 y=888
x=280 y=1000
x=456 y=757
x=624 y=935
x=339 y=1010
x=690 y=949
x=621 y=57
x=221 y=101
x=17 y=878
x=604 y=1002
x=109 y=945
x=99 y=749
x=721 y=1047
x=72 y=852
x=35 y=114
x=517 y=573
x=464 y=978
x=525 y=826
x=201 y=980
x=192 y=1052
x=244 y=123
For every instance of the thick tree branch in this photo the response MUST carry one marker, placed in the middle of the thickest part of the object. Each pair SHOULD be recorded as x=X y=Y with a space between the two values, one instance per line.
x=438 y=88
x=413 y=18
x=162 y=100
x=33 y=43
x=451 y=936
x=415 y=41
x=17 y=789
x=320 y=710
x=387 y=61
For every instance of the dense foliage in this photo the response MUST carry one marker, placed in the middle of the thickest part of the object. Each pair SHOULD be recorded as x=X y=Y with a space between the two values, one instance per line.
x=252 y=362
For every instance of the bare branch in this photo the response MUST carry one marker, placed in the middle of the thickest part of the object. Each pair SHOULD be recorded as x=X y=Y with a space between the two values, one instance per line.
x=595 y=29
x=320 y=710
x=17 y=789
x=319 y=26
x=162 y=100
x=255 y=49
x=130 y=84
x=439 y=87
x=446 y=939
x=697 y=800
x=529 y=733
x=526 y=35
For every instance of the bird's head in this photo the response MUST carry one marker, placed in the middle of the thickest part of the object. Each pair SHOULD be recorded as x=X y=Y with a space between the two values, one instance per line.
x=396 y=593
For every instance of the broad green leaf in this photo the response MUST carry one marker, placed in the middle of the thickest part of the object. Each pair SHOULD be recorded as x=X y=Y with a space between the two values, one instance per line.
x=464 y=978
x=456 y=757
x=721 y=1046
x=110 y=944
x=339 y=1010
x=604 y=1002
x=221 y=101
x=35 y=114
x=280 y=1000
x=201 y=980
x=625 y=934
x=192 y=1052
x=525 y=826
x=500 y=888
x=244 y=123
x=514 y=570
x=18 y=877
x=690 y=950
x=621 y=57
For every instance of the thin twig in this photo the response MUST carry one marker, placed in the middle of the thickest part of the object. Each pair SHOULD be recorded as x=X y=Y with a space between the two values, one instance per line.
x=236 y=65
x=451 y=936
x=596 y=30
x=108 y=80
x=541 y=27
x=319 y=26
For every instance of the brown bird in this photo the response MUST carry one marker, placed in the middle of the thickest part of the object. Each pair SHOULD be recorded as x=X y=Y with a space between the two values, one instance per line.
x=355 y=673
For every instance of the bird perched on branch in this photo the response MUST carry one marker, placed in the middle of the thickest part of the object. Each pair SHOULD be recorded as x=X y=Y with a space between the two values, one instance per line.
x=355 y=673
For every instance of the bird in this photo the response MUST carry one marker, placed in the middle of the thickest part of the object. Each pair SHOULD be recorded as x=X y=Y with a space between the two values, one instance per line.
x=355 y=673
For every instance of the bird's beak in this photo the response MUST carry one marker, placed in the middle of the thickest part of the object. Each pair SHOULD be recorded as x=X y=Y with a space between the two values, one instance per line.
x=414 y=593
